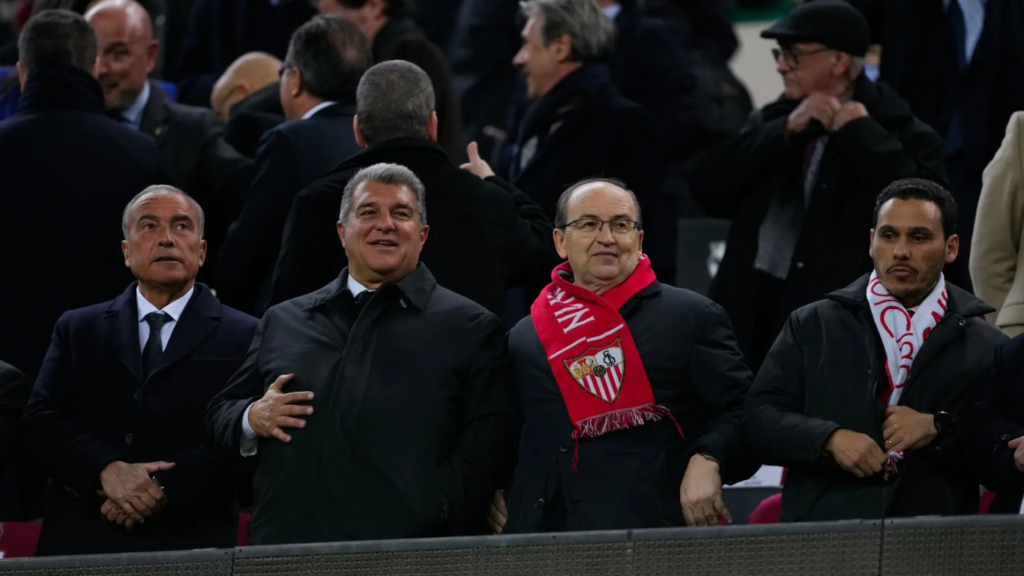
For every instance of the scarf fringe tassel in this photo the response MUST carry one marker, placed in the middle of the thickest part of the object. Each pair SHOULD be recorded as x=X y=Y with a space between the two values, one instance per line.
x=618 y=420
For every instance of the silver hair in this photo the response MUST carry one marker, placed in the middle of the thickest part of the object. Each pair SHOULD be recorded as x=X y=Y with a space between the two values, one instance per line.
x=382 y=173
x=394 y=100
x=152 y=191
x=592 y=33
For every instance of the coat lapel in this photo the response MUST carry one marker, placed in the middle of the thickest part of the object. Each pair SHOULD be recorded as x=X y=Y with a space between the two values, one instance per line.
x=200 y=317
x=121 y=325
x=154 y=117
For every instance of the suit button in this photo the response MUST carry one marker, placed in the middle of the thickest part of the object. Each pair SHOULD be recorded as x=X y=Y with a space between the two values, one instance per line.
x=963 y=323
x=128 y=439
x=563 y=447
x=1004 y=437
x=539 y=503
x=137 y=395
x=800 y=265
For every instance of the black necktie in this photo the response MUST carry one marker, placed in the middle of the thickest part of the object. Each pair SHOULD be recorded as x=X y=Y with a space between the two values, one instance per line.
x=154 y=346
x=958 y=32
x=360 y=303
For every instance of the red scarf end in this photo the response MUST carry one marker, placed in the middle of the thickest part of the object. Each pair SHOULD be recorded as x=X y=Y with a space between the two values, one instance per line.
x=618 y=420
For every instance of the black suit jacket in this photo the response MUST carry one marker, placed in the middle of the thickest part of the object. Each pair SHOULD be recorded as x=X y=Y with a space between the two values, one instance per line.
x=290 y=158
x=200 y=162
x=1000 y=418
x=511 y=236
x=90 y=407
x=69 y=171
x=222 y=30
x=14 y=391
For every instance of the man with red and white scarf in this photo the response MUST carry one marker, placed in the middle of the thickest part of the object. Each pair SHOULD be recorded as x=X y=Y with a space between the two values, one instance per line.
x=864 y=393
x=631 y=391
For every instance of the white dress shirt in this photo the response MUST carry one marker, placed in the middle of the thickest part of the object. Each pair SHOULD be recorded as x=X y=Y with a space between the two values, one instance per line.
x=250 y=440
x=974 y=23
x=133 y=113
x=312 y=111
x=174 y=310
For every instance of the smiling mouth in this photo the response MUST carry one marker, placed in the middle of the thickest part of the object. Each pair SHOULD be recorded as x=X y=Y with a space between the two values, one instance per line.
x=384 y=243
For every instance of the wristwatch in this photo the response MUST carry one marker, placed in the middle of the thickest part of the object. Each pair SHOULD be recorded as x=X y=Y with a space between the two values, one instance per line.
x=945 y=424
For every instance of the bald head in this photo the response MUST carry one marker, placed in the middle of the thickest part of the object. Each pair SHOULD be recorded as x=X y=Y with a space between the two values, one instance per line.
x=127 y=49
x=246 y=75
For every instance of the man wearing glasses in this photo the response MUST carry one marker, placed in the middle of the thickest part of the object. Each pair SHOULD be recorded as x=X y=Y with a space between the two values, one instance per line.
x=799 y=184
x=630 y=390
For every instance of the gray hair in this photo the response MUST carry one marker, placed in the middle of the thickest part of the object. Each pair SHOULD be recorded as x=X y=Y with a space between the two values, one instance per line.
x=154 y=191
x=394 y=100
x=382 y=173
x=592 y=33
x=562 y=207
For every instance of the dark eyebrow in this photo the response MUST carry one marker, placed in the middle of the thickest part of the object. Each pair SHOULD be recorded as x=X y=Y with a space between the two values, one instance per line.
x=181 y=217
x=400 y=206
x=366 y=205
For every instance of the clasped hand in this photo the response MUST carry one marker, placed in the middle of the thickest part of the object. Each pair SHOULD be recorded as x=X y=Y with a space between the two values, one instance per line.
x=132 y=496
x=825 y=109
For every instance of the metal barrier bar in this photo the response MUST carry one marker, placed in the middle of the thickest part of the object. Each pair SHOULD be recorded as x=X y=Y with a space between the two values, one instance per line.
x=924 y=546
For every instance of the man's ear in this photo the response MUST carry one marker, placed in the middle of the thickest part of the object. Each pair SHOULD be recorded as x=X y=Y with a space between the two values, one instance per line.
x=202 y=253
x=871 y=244
x=432 y=127
x=359 y=135
x=124 y=250
x=152 y=55
x=562 y=47
x=559 y=237
x=952 y=248
x=341 y=234
x=22 y=75
x=296 y=86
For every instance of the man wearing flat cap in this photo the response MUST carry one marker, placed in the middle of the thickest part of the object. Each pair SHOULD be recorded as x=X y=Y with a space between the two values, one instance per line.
x=800 y=182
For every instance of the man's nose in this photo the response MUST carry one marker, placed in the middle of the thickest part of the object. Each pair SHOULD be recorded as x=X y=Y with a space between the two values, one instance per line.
x=605 y=236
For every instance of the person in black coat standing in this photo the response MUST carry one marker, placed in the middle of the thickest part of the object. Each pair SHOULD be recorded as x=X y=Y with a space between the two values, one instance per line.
x=578 y=125
x=394 y=36
x=863 y=395
x=812 y=165
x=414 y=420
x=998 y=427
x=69 y=170
x=14 y=392
x=956 y=63
x=189 y=138
x=631 y=390
x=116 y=416
x=511 y=236
x=318 y=90
x=220 y=31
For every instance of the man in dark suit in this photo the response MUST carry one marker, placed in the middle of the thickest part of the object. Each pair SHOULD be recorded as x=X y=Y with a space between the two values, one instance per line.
x=14 y=391
x=222 y=30
x=68 y=172
x=414 y=423
x=327 y=57
x=394 y=36
x=578 y=126
x=511 y=236
x=188 y=137
x=956 y=63
x=116 y=416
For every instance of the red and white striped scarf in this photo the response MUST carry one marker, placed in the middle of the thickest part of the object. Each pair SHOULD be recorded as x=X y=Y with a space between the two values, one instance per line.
x=902 y=333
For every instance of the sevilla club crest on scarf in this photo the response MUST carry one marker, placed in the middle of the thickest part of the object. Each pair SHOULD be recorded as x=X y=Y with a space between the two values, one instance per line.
x=600 y=371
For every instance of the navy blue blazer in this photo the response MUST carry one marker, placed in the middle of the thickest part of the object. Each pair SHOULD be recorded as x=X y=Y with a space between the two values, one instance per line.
x=90 y=407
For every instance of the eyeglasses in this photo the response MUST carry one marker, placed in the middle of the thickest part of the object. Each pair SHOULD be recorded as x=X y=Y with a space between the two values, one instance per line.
x=593 y=226
x=792 y=57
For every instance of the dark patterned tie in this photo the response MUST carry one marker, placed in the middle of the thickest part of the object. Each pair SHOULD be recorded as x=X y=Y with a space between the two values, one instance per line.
x=154 y=346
